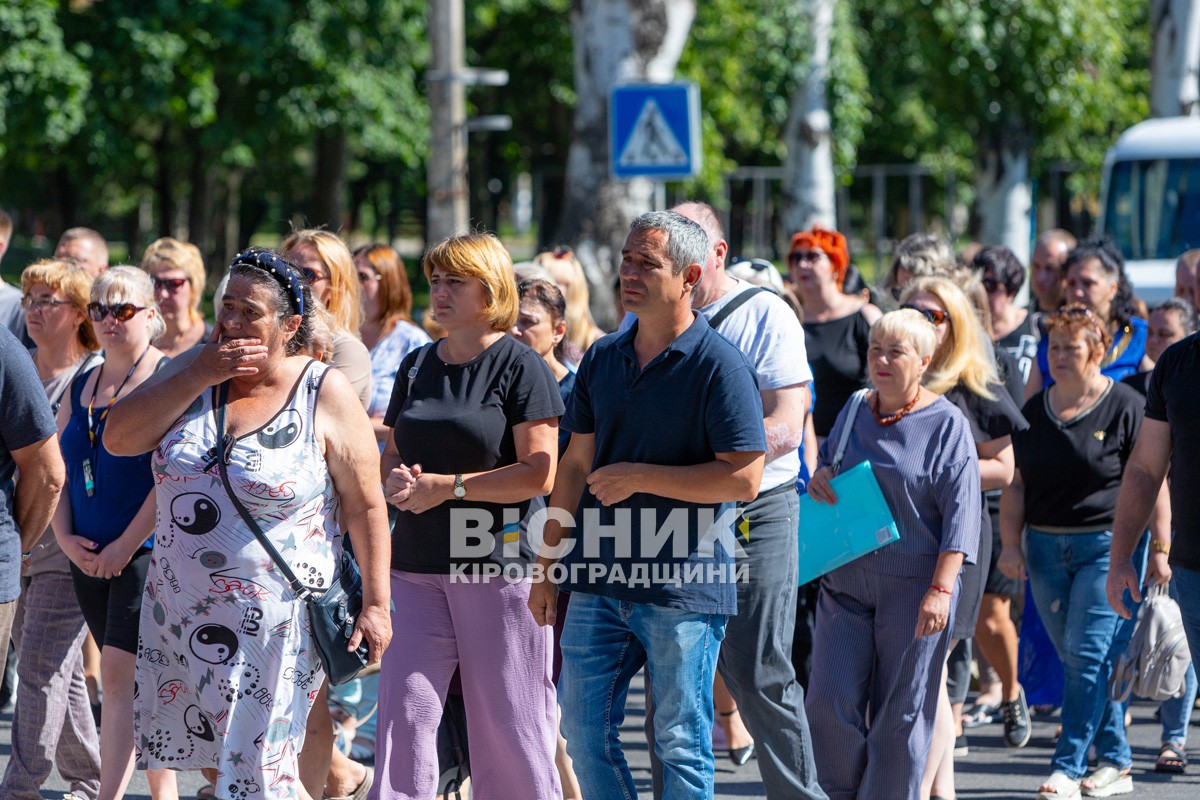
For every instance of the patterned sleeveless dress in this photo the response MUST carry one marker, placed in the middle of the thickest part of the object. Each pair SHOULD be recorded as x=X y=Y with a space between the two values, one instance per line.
x=226 y=672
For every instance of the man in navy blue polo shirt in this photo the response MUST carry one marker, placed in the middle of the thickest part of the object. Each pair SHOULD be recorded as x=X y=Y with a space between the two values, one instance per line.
x=666 y=435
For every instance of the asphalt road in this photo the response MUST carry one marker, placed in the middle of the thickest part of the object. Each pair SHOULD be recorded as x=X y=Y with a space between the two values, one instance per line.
x=989 y=772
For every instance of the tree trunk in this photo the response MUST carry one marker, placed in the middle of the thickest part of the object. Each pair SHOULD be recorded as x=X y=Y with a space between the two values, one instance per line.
x=329 y=184
x=1003 y=195
x=616 y=41
x=200 y=203
x=1175 y=58
x=163 y=186
x=231 y=230
x=809 y=192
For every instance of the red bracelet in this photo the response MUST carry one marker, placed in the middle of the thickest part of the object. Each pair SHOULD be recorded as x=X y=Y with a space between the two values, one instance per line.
x=941 y=589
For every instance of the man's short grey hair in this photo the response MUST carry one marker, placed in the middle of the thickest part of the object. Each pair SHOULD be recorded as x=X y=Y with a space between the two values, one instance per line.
x=924 y=255
x=1185 y=310
x=95 y=237
x=687 y=243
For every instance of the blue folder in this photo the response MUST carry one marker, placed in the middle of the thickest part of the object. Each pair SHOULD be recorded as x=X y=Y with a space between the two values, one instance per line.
x=860 y=522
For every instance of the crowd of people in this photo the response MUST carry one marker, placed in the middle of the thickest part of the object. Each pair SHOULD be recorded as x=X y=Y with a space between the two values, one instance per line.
x=540 y=511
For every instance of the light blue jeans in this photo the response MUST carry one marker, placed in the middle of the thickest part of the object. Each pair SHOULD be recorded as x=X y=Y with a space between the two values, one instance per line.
x=1176 y=712
x=1067 y=573
x=604 y=644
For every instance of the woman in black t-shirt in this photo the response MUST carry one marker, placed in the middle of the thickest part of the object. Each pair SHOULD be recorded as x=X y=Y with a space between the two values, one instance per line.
x=964 y=371
x=1069 y=466
x=475 y=419
x=1013 y=327
x=836 y=325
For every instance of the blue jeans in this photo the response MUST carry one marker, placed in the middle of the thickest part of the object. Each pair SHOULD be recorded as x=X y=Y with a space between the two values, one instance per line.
x=1067 y=573
x=1185 y=588
x=604 y=644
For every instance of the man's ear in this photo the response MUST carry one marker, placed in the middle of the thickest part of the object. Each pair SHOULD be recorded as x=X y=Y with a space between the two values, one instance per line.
x=691 y=276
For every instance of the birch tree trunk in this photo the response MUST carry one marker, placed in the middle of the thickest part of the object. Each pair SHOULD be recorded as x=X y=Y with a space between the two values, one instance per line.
x=616 y=41
x=808 y=184
x=1175 y=58
x=1003 y=196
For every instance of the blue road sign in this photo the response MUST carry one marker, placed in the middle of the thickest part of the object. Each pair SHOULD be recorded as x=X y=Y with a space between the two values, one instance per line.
x=654 y=131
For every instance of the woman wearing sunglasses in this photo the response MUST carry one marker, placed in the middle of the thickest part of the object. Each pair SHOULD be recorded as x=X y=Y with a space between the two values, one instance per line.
x=178 y=273
x=325 y=261
x=836 y=325
x=106 y=523
x=1095 y=278
x=388 y=330
x=1083 y=427
x=964 y=372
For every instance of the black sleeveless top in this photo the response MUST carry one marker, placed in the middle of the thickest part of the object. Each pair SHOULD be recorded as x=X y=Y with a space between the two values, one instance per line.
x=837 y=355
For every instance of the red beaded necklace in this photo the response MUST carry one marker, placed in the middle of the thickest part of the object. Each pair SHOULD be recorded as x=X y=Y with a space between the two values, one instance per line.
x=892 y=419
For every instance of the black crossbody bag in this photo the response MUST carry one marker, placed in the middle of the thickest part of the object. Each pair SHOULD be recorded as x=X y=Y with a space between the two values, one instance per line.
x=331 y=613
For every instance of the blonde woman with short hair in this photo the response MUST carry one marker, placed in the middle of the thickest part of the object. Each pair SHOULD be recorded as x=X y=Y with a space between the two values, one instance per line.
x=177 y=269
x=474 y=437
x=884 y=621
x=53 y=720
x=105 y=523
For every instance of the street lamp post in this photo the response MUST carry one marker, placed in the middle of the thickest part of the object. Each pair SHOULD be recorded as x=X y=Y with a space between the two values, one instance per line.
x=447 y=79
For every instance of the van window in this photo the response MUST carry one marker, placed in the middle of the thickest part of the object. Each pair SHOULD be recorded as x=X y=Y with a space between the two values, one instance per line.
x=1153 y=209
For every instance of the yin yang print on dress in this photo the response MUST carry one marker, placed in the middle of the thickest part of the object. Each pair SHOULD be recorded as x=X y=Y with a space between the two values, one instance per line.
x=221 y=630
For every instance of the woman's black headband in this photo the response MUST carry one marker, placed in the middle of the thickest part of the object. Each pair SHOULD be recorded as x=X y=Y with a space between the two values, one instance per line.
x=283 y=273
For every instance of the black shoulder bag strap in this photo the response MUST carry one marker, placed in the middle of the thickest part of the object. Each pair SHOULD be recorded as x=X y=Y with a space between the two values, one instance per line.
x=733 y=305
x=225 y=444
x=416 y=367
x=88 y=361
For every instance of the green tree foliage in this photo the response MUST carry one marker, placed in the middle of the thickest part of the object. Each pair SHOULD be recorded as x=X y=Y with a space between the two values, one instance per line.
x=171 y=100
x=748 y=56
x=532 y=40
x=42 y=84
x=945 y=75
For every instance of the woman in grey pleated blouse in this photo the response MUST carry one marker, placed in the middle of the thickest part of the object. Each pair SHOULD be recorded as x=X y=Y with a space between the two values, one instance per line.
x=884 y=620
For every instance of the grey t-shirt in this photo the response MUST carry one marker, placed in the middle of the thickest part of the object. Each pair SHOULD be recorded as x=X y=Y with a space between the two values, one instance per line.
x=12 y=316
x=25 y=419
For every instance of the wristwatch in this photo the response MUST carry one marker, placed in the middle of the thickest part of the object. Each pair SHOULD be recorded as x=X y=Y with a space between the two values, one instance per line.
x=1160 y=547
x=460 y=489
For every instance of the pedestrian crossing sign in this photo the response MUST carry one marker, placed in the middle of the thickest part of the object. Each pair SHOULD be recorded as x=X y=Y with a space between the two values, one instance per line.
x=654 y=131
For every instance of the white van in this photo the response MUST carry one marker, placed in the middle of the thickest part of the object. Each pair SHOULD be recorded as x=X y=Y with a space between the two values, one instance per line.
x=1150 y=200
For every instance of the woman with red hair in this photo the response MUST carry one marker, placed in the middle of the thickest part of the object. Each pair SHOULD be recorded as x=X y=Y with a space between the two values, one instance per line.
x=836 y=325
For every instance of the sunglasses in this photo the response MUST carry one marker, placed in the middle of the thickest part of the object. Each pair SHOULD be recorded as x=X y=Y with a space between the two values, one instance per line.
x=1078 y=311
x=121 y=312
x=172 y=285
x=805 y=255
x=42 y=303
x=311 y=275
x=936 y=316
x=367 y=277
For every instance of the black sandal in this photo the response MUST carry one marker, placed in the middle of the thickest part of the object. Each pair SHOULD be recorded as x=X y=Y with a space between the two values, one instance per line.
x=1171 y=760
